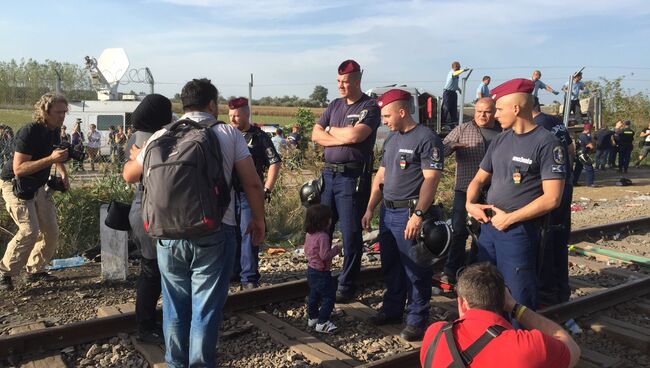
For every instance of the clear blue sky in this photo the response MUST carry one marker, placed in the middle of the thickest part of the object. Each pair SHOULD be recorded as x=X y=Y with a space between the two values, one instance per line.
x=293 y=45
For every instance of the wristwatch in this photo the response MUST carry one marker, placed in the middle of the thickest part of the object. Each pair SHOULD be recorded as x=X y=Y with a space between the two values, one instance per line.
x=327 y=128
x=418 y=213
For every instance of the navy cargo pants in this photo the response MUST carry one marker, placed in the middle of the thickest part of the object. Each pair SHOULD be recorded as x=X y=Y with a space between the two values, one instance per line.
x=348 y=207
x=403 y=277
x=514 y=252
x=554 y=274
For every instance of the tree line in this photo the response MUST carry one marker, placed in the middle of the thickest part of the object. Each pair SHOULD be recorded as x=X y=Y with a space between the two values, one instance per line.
x=23 y=82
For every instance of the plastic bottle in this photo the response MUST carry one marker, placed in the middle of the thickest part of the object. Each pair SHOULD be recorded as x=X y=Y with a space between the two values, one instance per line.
x=58 y=264
x=573 y=327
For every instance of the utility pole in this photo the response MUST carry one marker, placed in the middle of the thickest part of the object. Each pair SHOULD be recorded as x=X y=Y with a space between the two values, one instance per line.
x=57 y=85
x=250 y=97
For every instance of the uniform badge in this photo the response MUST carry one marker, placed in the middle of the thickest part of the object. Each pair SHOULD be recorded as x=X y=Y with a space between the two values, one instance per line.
x=362 y=115
x=402 y=162
x=516 y=176
x=558 y=155
x=435 y=154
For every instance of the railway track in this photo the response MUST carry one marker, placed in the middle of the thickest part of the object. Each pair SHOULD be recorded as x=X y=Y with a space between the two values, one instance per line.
x=255 y=307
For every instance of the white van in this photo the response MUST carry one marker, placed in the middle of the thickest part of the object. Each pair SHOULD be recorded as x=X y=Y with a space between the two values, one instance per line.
x=101 y=113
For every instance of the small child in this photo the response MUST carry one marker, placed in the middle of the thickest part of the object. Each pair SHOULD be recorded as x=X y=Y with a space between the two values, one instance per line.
x=319 y=253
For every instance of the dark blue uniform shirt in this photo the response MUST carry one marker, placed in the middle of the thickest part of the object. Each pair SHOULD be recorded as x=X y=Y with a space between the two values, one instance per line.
x=340 y=114
x=404 y=157
x=518 y=164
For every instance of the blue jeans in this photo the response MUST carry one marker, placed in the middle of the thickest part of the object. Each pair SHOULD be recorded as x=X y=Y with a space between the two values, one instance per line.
x=514 y=252
x=348 y=208
x=195 y=277
x=322 y=290
x=602 y=155
x=589 y=172
x=403 y=277
x=247 y=255
x=457 y=255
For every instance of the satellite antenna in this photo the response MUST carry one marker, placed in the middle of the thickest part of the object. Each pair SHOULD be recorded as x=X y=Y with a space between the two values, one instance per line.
x=107 y=71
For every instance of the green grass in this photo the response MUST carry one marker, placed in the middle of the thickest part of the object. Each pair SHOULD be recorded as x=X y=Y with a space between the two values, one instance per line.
x=15 y=118
x=267 y=119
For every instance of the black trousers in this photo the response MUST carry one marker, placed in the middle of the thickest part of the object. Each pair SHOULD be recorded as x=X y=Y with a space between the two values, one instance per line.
x=449 y=107
x=147 y=294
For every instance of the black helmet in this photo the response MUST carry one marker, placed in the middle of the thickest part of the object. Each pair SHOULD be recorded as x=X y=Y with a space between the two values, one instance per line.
x=310 y=192
x=432 y=241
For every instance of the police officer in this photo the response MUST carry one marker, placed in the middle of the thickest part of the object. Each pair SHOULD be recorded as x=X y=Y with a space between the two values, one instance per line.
x=526 y=165
x=585 y=145
x=627 y=145
x=554 y=273
x=347 y=129
x=265 y=157
x=411 y=167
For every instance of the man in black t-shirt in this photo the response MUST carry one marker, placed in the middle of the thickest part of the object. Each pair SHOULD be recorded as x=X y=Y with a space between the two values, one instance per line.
x=28 y=202
x=604 y=143
x=626 y=143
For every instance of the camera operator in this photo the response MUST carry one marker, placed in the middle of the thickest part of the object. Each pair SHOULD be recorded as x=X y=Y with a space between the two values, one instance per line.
x=29 y=204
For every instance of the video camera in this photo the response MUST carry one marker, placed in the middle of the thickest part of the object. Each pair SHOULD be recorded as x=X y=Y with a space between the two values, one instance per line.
x=73 y=152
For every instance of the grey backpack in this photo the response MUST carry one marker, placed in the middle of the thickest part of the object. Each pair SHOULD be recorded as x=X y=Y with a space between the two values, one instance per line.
x=185 y=191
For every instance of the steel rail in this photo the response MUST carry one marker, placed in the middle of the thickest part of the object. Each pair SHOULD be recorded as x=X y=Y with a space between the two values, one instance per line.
x=98 y=328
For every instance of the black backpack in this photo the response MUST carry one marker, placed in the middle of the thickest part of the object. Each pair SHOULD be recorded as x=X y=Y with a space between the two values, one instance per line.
x=185 y=191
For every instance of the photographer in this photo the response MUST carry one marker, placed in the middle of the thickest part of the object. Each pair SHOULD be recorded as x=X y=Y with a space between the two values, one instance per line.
x=29 y=204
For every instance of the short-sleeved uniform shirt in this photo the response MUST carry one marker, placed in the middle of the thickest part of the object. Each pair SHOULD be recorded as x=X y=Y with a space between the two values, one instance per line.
x=627 y=137
x=262 y=149
x=583 y=140
x=537 y=86
x=557 y=128
x=518 y=164
x=512 y=348
x=38 y=141
x=233 y=149
x=483 y=90
x=404 y=157
x=575 y=90
x=340 y=114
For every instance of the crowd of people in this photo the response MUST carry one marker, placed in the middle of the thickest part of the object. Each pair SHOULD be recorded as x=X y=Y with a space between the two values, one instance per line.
x=514 y=176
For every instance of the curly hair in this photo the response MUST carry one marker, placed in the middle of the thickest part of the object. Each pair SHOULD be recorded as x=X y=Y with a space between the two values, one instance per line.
x=44 y=104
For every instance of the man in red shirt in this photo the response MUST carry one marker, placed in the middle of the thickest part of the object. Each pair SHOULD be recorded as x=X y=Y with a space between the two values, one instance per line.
x=482 y=299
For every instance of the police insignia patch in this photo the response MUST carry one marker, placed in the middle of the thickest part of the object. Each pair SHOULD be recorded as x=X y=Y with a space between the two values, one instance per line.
x=435 y=154
x=362 y=115
x=558 y=155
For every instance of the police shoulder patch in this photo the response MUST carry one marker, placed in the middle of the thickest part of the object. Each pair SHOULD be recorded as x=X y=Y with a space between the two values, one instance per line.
x=558 y=155
x=362 y=115
x=435 y=154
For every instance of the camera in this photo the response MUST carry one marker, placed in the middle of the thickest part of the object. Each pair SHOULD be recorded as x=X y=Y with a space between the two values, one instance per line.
x=55 y=183
x=73 y=152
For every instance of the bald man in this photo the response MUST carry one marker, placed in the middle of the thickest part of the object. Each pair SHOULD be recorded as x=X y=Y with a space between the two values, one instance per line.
x=526 y=166
x=538 y=84
x=469 y=141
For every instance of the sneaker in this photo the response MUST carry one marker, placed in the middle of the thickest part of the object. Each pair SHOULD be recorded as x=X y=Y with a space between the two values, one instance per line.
x=6 y=283
x=39 y=276
x=412 y=333
x=311 y=322
x=344 y=298
x=326 y=327
x=381 y=319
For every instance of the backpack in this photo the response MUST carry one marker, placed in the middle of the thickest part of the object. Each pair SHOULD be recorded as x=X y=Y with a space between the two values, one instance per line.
x=185 y=191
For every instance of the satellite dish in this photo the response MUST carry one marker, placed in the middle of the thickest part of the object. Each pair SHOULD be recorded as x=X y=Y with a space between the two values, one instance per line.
x=113 y=64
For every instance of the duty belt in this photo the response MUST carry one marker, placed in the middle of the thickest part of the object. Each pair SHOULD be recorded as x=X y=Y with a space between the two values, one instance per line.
x=345 y=167
x=405 y=203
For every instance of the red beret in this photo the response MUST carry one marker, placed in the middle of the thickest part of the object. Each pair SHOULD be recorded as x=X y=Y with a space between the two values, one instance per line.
x=238 y=102
x=518 y=85
x=587 y=126
x=349 y=66
x=392 y=96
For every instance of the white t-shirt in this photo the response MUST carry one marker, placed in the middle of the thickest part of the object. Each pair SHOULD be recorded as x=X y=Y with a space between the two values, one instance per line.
x=94 y=139
x=233 y=149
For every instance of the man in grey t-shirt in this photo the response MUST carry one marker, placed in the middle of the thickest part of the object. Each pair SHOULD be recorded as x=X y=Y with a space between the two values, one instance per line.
x=526 y=165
